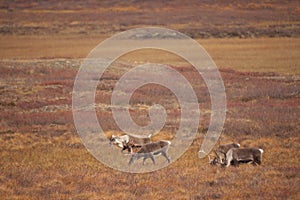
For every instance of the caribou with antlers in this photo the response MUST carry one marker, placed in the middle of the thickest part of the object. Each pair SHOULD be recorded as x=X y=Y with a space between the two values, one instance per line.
x=232 y=154
x=220 y=153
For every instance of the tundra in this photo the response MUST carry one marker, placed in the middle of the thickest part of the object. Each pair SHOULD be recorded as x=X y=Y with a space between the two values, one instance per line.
x=150 y=150
x=236 y=155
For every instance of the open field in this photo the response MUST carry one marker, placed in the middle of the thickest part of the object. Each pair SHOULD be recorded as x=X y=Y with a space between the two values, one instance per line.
x=255 y=44
x=258 y=54
x=42 y=156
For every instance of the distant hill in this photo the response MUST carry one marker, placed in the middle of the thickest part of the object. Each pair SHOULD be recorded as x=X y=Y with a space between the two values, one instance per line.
x=198 y=19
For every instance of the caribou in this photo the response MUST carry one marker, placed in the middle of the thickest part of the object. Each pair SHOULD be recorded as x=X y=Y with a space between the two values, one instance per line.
x=149 y=150
x=123 y=141
x=220 y=153
x=249 y=155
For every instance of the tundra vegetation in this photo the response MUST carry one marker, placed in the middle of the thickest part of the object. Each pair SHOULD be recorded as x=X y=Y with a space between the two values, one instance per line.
x=42 y=156
x=255 y=44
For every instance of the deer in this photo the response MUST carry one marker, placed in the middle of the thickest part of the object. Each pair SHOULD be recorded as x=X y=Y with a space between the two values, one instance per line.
x=237 y=155
x=149 y=150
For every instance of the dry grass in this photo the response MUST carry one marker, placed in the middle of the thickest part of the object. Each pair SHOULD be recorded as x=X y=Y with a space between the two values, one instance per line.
x=262 y=55
x=52 y=170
